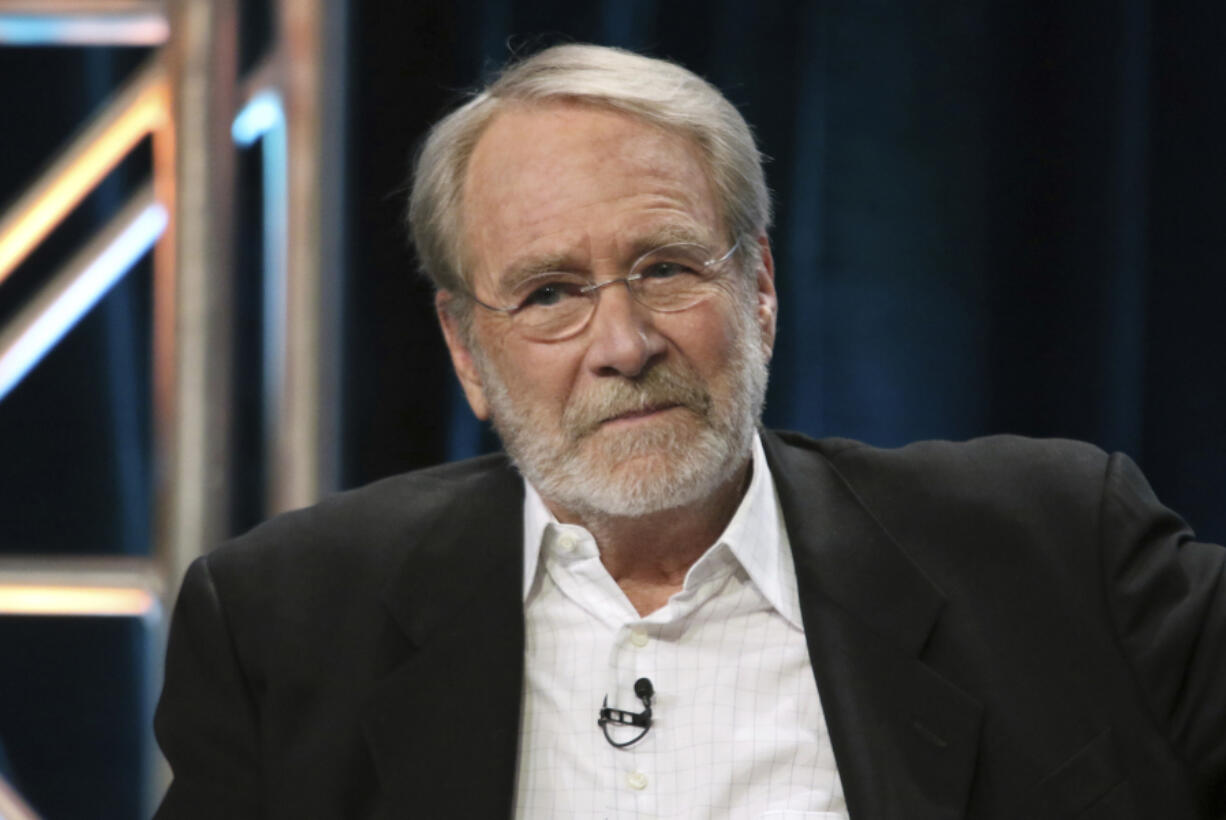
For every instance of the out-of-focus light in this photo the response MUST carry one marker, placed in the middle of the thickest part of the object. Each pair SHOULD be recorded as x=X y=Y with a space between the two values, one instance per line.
x=262 y=113
x=12 y=806
x=80 y=586
x=138 y=29
x=18 y=599
x=140 y=109
x=95 y=278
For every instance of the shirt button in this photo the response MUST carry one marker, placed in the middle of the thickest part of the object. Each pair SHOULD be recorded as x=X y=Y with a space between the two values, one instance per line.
x=638 y=637
x=637 y=780
x=567 y=542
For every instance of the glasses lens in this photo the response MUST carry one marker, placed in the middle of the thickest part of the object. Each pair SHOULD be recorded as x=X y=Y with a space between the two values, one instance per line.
x=551 y=308
x=674 y=277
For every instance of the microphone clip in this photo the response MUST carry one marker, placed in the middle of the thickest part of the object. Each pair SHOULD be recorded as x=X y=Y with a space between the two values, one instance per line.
x=620 y=717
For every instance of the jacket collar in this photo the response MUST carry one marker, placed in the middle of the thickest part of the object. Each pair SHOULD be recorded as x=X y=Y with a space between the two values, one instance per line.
x=450 y=707
x=845 y=554
x=905 y=739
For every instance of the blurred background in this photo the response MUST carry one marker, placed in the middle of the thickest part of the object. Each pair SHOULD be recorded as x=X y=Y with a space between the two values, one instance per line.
x=990 y=217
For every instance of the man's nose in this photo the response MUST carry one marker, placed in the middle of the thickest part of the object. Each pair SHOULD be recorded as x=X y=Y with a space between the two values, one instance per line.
x=623 y=336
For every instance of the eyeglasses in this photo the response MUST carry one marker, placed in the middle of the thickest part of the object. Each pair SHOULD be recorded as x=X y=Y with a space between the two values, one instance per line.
x=554 y=305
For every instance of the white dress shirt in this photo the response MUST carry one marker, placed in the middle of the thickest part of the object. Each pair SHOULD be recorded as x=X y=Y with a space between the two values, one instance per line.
x=737 y=727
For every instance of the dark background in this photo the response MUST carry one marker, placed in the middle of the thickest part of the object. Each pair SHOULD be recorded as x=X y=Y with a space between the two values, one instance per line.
x=991 y=217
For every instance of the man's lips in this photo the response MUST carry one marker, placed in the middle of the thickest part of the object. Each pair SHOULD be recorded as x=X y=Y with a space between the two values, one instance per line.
x=631 y=415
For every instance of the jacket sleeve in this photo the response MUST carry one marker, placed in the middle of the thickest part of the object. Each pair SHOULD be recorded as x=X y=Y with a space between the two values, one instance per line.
x=206 y=718
x=1170 y=615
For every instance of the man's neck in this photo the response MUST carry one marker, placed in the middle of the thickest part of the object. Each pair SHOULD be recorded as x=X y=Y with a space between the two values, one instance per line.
x=648 y=556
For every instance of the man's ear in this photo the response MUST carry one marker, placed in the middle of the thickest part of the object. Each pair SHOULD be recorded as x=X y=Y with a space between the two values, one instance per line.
x=767 y=308
x=461 y=356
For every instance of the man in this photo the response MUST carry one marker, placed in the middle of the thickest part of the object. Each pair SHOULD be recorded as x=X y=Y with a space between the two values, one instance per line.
x=658 y=610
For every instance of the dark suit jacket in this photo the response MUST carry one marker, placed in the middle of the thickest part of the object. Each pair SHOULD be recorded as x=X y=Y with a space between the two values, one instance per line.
x=1000 y=629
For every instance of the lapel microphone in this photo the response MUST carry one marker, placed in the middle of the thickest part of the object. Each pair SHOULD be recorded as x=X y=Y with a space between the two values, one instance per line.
x=619 y=717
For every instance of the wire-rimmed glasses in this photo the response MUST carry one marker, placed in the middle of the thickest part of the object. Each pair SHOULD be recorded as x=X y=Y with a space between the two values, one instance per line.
x=553 y=305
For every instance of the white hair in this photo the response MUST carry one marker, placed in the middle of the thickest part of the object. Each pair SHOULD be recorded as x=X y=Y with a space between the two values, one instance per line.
x=658 y=91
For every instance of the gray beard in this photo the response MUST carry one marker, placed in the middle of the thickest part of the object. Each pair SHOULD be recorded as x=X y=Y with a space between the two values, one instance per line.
x=677 y=462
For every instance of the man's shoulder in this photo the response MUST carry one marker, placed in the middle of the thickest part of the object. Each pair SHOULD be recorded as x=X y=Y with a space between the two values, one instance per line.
x=1007 y=472
x=1002 y=507
x=1000 y=455
x=376 y=525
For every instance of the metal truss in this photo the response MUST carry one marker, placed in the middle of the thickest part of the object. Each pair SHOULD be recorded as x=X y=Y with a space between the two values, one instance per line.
x=189 y=101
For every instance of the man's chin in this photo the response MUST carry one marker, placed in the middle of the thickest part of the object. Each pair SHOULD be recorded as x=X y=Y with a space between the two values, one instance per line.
x=632 y=493
x=648 y=470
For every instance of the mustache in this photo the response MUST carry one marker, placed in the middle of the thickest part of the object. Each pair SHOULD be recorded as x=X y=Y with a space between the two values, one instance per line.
x=661 y=386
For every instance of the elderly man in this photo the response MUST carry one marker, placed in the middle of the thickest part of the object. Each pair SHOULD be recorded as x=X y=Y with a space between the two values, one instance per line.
x=651 y=608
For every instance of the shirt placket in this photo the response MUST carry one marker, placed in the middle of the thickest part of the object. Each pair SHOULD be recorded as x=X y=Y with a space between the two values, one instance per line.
x=633 y=655
x=635 y=651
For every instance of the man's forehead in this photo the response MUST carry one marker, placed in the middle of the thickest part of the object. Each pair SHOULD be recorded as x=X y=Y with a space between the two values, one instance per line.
x=543 y=175
x=579 y=256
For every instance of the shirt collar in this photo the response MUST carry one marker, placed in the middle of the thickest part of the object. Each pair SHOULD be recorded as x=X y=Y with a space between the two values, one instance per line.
x=756 y=536
x=536 y=518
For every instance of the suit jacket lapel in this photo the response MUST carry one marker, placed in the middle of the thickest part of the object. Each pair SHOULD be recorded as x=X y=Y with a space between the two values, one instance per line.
x=443 y=725
x=904 y=738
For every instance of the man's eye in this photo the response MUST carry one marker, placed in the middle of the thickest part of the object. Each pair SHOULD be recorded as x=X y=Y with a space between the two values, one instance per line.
x=549 y=294
x=666 y=270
